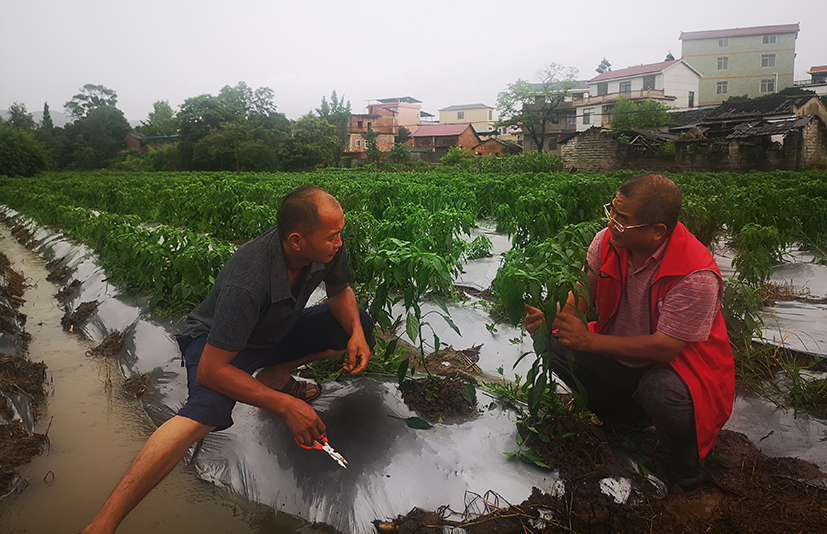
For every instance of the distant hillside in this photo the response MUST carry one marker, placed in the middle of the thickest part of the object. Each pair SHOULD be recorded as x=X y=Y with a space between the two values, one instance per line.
x=58 y=118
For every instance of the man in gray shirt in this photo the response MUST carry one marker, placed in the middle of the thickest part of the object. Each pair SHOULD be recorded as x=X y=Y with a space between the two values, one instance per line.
x=255 y=319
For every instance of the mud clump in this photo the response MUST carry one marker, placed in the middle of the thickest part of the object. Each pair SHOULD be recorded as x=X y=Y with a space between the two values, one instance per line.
x=135 y=386
x=109 y=347
x=66 y=292
x=449 y=399
x=17 y=447
x=56 y=273
x=71 y=320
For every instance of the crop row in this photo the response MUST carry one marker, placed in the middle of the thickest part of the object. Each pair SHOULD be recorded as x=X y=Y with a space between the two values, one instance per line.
x=145 y=222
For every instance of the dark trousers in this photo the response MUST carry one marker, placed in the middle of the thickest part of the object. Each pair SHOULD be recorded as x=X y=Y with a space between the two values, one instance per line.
x=627 y=397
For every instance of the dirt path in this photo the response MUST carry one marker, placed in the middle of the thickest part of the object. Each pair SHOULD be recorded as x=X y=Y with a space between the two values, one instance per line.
x=94 y=433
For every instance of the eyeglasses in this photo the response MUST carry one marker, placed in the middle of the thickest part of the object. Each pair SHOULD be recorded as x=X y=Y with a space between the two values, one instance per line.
x=620 y=227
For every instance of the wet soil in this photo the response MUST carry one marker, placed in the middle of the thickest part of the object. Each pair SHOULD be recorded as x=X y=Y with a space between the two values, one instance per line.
x=18 y=375
x=745 y=491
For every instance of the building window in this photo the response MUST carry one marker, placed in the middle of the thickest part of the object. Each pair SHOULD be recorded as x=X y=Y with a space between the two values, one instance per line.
x=767 y=60
x=587 y=116
x=723 y=41
x=460 y=115
x=555 y=118
x=723 y=63
x=768 y=39
x=691 y=99
x=571 y=122
x=602 y=88
x=490 y=114
x=369 y=125
x=552 y=143
x=358 y=124
x=358 y=143
x=626 y=87
x=721 y=88
x=649 y=81
x=768 y=86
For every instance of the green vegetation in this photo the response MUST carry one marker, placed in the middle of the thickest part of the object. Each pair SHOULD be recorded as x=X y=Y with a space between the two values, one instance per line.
x=408 y=235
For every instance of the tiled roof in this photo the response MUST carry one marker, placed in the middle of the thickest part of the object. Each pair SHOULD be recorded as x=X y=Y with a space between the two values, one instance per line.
x=764 y=128
x=459 y=107
x=738 y=32
x=822 y=68
x=441 y=129
x=759 y=107
x=634 y=71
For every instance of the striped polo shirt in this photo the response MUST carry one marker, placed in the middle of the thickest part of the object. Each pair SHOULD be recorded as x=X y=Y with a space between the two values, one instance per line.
x=686 y=312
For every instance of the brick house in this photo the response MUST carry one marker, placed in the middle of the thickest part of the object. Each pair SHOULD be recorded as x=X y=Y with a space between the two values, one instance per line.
x=408 y=111
x=443 y=136
x=383 y=121
x=497 y=147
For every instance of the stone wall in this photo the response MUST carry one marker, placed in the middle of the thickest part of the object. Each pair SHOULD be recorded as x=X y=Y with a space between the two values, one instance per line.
x=598 y=151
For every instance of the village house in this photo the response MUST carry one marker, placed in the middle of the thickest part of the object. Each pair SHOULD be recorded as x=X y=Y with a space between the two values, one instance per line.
x=497 y=147
x=817 y=82
x=438 y=138
x=673 y=82
x=384 y=122
x=480 y=116
x=750 y=62
x=770 y=133
x=408 y=111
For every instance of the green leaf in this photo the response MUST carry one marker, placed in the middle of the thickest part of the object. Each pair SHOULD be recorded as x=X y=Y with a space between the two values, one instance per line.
x=469 y=393
x=531 y=457
x=403 y=370
x=416 y=422
x=412 y=327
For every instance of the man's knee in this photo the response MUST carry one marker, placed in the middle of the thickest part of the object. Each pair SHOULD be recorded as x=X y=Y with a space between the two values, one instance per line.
x=664 y=394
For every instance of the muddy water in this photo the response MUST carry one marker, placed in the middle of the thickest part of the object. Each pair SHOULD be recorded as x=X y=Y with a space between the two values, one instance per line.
x=94 y=433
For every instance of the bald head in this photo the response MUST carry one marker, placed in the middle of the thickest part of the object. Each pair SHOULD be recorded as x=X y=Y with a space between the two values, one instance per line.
x=299 y=211
x=660 y=199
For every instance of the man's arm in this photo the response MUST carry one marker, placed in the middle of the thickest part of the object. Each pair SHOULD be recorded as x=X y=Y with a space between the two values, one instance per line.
x=534 y=317
x=657 y=347
x=343 y=306
x=216 y=373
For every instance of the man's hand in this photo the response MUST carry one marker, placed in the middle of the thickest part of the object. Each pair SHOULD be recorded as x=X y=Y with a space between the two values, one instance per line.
x=358 y=353
x=572 y=333
x=533 y=319
x=301 y=419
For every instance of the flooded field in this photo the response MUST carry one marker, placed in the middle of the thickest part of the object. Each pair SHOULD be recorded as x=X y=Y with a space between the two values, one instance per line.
x=94 y=433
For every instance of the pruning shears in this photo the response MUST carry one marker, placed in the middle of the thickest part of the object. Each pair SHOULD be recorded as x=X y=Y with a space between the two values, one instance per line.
x=321 y=444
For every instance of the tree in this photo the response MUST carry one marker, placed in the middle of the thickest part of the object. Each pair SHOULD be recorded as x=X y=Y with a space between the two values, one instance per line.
x=336 y=113
x=399 y=153
x=20 y=118
x=372 y=152
x=46 y=122
x=20 y=153
x=160 y=121
x=310 y=144
x=403 y=135
x=533 y=106
x=645 y=115
x=90 y=97
x=97 y=136
x=223 y=143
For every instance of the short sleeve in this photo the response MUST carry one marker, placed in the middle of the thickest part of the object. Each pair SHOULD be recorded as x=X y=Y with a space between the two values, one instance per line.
x=689 y=308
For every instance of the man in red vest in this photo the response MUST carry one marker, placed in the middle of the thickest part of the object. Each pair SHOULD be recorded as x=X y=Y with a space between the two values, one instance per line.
x=659 y=352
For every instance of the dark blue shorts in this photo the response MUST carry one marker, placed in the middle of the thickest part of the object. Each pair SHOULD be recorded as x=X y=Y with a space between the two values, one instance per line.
x=316 y=330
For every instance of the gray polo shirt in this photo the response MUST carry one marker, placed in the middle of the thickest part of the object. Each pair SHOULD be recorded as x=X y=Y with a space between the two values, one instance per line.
x=251 y=304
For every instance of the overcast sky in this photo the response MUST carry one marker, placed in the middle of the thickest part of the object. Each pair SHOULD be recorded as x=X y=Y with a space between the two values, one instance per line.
x=441 y=52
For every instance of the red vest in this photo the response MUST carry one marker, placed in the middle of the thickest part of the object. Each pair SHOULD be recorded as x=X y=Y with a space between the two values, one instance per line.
x=707 y=367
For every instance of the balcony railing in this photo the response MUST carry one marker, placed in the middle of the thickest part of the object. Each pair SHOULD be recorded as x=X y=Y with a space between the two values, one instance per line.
x=639 y=94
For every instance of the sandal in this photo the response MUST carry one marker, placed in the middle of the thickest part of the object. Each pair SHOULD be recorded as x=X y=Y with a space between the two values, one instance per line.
x=298 y=389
